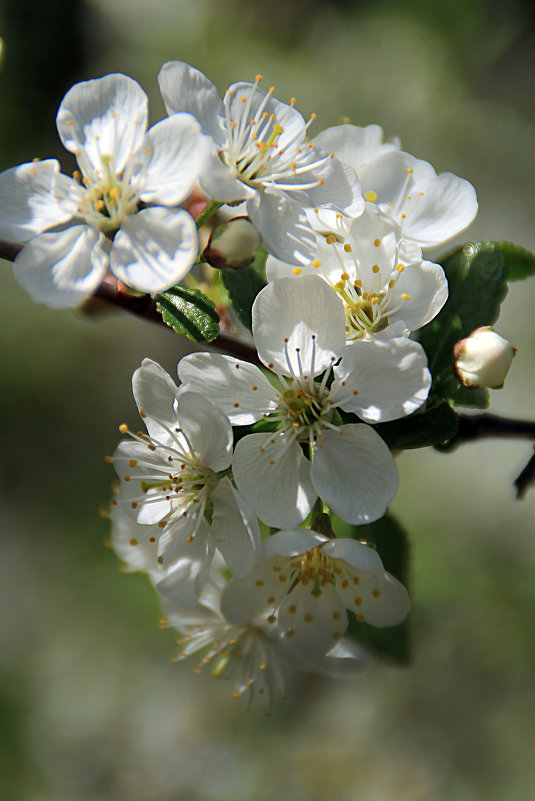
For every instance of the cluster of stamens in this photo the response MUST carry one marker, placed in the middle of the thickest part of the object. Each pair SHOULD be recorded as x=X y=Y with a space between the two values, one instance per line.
x=108 y=199
x=254 y=151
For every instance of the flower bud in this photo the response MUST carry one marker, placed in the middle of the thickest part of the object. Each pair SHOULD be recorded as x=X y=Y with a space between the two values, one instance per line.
x=483 y=359
x=232 y=244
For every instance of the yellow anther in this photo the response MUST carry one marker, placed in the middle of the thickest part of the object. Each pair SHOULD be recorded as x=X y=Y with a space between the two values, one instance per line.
x=243 y=99
x=391 y=284
x=108 y=459
x=400 y=268
x=133 y=541
x=330 y=239
x=347 y=248
x=308 y=618
x=123 y=428
x=410 y=170
x=297 y=270
x=258 y=77
x=69 y=122
x=376 y=593
x=132 y=463
x=421 y=194
x=292 y=101
x=316 y=263
x=271 y=90
x=358 y=284
x=345 y=277
x=376 y=242
x=405 y=296
x=403 y=216
x=359 y=618
x=376 y=268
x=371 y=196
x=409 y=197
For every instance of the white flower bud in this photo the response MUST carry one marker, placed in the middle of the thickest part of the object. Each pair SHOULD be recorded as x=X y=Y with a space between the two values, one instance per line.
x=232 y=244
x=483 y=359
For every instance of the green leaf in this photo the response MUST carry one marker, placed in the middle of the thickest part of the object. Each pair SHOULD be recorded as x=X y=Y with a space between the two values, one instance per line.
x=189 y=312
x=477 y=285
x=391 y=542
x=433 y=426
x=519 y=262
x=244 y=285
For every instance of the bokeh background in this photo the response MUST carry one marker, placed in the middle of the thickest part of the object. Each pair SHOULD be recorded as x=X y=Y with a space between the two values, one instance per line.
x=90 y=705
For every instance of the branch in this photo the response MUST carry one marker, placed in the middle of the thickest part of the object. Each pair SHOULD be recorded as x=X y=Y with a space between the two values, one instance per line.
x=114 y=293
x=526 y=479
x=482 y=426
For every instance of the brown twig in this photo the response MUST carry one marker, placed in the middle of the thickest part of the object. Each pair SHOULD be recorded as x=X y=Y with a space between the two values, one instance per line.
x=481 y=426
x=113 y=292
x=526 y=479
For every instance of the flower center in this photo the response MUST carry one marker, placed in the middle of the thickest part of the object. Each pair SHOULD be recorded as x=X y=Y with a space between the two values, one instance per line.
x=108 y=200
x=316 y=568
x=305 y=409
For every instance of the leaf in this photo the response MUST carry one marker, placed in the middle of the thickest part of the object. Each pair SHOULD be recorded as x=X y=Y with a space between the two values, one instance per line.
x=390 y=540
x=244 y=285
x=189 y=312
x=433 y=426
x=477 y=285
x=519 y=262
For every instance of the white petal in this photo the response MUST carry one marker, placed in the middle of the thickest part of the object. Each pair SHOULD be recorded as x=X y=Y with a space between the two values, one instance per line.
x=155 y=394
x=234 y=529
x=345 y=660
x=104 y=117
x=356 y=554
x=312 y=621
x=446 y=207
x=273 y=477
x=34 y=197
x=190 y=567
x=170 y=160
x=220 y=182
x=131 y=541
x=427 y=288
x=244 y=599
x=340 y=188
x=154 y=249
x=353 y=145
x=207 y=429
x=283 y=226
x=303 y=316
x=62 y=269
x=292 y=543
x=184 y=88
x=384 y=379
x=354 y=473
x=239 y=389
x=287 y=116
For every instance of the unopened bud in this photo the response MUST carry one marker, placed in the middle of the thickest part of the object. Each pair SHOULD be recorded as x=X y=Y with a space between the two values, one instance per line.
x=483 y=359
x=232 y=244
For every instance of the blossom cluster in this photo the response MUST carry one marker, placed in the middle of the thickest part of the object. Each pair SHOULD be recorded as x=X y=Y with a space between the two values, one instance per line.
x=226 y=499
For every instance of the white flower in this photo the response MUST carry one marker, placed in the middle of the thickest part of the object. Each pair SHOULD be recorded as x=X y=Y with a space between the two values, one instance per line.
x=431 y=209
x=387 y=289
x=306 y=582
x=174 y=476
x=250 y=654
x=114 y=213
x=135 y=544
x=260 y=154
x=483 y=359
x=299 y=332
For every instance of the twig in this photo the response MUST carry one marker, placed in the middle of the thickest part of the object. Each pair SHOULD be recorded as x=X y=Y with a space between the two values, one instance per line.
x=482 y=426
x=526 y=479
x=113 y=292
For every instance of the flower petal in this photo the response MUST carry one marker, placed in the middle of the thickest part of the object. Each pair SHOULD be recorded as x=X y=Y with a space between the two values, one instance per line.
x=298 y=322
x=234 y=529
x=170 y=160
x=190 y=568
x=103 y=117
x=34 y=197
x=63 y=268
x=155 y=393
x=312 y=620
x=354 y=473
x=239 y=389
x=382 y=379
x=132 y=542
x=273 y=476
x=154 y=249
x=283 y=226
x=354 y=145
x=207 y=429
x=185 y=88
x=421 y=291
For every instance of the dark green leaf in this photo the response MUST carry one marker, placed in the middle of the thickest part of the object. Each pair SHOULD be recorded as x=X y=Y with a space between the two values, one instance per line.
x=244 y=285
x=477 y=285
x=189 y=312
x=433 y=426
x=391 y=542
x=519 y=262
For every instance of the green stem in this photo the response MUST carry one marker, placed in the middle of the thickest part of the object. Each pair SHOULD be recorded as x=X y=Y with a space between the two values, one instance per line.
x=209 y=210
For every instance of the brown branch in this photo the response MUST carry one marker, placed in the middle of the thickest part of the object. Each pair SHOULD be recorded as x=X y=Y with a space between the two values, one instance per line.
x=113 y=292
x=482 y=426
x=526 y=479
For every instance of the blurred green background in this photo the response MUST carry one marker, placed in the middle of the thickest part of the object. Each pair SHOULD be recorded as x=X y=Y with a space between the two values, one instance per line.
x=90 y=706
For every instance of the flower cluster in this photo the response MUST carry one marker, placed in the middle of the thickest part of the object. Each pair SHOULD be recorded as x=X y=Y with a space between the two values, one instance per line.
x=226 y=499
